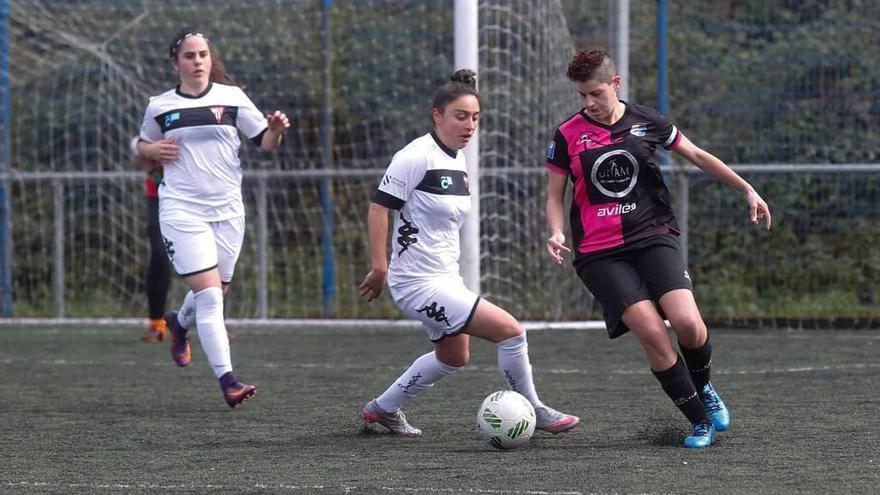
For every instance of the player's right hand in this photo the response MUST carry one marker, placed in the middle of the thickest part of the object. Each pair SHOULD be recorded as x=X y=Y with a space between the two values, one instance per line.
x=373 y=284
x=556 y=246
x=164 y=151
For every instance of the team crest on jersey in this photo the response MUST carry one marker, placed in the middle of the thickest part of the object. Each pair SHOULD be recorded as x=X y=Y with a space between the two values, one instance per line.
x=218 y=113
x=171 y=117
x=639 y=130
x=615 y=174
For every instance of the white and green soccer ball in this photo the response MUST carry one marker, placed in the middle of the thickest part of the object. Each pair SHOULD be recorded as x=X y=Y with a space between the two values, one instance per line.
x=506 y=420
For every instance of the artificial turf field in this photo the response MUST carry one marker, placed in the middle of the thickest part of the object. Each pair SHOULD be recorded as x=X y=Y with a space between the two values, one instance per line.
x=93 y=410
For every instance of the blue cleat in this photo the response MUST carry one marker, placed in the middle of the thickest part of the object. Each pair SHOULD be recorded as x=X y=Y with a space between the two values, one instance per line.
x=701 y=436
x=715 y=407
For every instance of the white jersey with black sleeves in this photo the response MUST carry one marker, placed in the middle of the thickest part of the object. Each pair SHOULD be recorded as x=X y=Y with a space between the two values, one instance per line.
x=427 y=184
x=205 y=179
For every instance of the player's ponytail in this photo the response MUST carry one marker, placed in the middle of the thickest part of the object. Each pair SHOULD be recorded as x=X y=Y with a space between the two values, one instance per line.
x=461 y=82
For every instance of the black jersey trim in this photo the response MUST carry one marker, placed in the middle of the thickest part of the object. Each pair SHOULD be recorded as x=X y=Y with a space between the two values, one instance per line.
x=471 y=315
x=193 y=97
x=446 y=149
x=197 y=116
x=258 y=139
x=382 y=198
x=445 y=182
x=626 y=109
x=197 y=272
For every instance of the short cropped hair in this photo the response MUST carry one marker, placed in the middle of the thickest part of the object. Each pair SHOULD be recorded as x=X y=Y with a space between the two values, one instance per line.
x=591 y=65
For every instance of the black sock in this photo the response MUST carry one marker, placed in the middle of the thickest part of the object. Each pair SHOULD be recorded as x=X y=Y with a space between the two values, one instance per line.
x=677 y=383
x=227 y=380
x=699 y=363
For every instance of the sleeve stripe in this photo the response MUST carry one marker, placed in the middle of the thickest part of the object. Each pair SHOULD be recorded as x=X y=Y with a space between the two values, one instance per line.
x=673 y=137
x=382 y=198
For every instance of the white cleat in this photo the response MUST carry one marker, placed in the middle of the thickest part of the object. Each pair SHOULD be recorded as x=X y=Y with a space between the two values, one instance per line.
x=395 y=422
x=553 y=421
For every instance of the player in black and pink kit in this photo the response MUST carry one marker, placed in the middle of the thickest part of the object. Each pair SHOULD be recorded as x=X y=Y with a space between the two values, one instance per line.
x=625 y=233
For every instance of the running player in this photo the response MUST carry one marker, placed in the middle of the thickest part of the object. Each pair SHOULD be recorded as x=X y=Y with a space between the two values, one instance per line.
x=426 y=185
x=193 y=131
x=625 y=233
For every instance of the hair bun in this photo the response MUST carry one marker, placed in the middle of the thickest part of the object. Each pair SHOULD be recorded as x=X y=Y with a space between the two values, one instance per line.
x=464 y=76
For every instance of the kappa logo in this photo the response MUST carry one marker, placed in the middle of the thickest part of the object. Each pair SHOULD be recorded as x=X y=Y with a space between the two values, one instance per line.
x=407 y=233
x=218 y=113
x=584 y=139
x=169 y=248
x=438 y=315
x=687 y=275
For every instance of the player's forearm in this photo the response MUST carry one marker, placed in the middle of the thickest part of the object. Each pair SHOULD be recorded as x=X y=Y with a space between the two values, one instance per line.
x=377 y=229
x=271 y=140
x=722 y=172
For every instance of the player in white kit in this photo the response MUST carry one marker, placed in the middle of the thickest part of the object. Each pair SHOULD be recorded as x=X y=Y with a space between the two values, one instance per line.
x=193 y=130
x=426 y=187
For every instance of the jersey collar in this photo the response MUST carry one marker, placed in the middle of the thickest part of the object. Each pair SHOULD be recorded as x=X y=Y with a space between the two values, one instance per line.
x=203 y=93
x=584 y=114
x=446 y=149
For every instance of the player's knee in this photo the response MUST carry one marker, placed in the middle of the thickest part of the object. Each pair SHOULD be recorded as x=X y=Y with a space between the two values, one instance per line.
x=454 y=357
x=209 y=304
x=691 y=331
x=506 y=329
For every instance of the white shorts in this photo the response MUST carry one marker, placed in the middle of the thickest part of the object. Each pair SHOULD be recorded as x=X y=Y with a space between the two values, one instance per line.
x=443 y=305
x=196 y=246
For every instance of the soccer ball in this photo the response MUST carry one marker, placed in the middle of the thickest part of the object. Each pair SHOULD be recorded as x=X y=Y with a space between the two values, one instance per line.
x=506 y=419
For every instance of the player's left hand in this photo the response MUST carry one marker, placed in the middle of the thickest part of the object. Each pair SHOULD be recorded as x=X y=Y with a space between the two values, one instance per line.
x=758 y=208
x=278 y=122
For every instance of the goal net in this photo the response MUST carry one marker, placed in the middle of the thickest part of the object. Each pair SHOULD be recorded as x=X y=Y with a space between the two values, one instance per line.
x=81 y=74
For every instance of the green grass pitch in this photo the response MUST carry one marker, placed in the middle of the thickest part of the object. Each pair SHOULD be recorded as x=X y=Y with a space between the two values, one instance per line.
x=93 y=410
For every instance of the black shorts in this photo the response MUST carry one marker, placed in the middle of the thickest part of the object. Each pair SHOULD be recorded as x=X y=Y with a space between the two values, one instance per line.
x=624 y=276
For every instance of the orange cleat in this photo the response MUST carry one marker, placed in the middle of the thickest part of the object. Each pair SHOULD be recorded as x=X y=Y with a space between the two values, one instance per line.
x=156 y=332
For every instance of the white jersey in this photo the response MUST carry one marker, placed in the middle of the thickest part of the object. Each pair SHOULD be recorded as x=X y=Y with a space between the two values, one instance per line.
x=205 y=179
x=427 y=183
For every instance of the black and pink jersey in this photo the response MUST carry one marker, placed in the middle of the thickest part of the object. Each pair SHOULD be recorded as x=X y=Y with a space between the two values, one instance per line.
x=619 y=193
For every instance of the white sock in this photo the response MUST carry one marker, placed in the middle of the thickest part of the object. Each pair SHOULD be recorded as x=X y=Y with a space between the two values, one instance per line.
x=513 y=361
x=421 y=375
x=186 y=315
x=212 y=330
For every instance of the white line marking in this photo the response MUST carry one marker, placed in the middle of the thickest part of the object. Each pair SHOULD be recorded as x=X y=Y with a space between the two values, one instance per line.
x=278 y=486
x=487 y=369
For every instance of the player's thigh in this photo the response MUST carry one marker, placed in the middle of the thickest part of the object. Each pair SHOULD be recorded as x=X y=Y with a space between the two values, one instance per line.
x=616 y=284
x=444 y=305
x=229 y=236
x=492 y=323
x=190 y=245
x=661 y=266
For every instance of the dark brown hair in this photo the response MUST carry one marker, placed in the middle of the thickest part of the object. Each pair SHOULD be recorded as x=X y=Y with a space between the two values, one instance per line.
x=588 y=65
x=461 y=82
x=218 y=70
